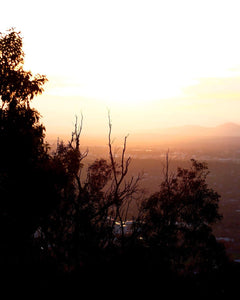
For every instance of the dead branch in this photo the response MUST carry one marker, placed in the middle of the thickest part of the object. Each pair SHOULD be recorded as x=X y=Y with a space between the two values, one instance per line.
x=113 y=164
x=76 y=133
x=121 y=191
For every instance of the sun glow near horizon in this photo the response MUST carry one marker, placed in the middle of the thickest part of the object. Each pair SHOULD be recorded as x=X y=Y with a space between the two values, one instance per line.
x=152 y=63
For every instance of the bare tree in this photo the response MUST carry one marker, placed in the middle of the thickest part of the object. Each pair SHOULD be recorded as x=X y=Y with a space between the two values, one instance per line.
x=92 y=206
x=74 y=144
x=122 y=190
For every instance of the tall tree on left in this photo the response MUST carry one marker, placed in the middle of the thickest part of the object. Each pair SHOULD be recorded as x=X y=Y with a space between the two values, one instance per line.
x=25 y=183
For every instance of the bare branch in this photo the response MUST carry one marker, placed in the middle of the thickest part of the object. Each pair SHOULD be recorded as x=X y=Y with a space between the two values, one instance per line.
x=76 y=133
x=121 y=191
x=113 y=164
x=123 y=154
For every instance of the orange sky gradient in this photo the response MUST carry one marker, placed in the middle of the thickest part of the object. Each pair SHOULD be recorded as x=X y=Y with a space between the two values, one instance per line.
x=153 y=64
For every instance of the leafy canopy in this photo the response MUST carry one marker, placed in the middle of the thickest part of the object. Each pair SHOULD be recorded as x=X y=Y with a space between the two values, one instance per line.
x=16 y=85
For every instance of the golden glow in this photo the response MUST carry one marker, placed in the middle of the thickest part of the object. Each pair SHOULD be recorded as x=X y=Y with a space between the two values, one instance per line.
x=152 y=63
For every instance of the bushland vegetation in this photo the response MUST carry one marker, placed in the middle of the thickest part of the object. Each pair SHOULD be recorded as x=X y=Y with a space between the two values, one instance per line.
x=62 y=229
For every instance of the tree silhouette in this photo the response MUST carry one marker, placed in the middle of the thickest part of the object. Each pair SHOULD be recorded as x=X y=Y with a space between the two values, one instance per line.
x=178 y=220
x=24 y=180
x=82 y=227
x=17 y=86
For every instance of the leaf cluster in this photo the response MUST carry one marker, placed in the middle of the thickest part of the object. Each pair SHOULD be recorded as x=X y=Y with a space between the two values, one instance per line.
x=17 y=86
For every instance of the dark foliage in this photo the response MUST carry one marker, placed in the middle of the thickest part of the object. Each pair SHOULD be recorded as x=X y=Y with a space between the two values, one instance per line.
x=178 y=220
x=26 y=178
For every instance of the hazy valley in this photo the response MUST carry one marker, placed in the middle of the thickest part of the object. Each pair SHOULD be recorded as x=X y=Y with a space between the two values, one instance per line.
x=221 y=152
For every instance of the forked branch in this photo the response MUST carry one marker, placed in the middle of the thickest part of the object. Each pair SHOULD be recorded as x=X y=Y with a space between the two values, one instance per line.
x=118 y=175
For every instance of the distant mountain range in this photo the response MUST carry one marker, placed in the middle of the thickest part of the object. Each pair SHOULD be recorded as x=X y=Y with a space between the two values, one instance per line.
x=227 y=133
x=190 y=134
x=224 y=130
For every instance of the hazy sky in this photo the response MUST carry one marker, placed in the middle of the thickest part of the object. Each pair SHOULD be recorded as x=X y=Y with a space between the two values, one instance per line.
x=152 y=63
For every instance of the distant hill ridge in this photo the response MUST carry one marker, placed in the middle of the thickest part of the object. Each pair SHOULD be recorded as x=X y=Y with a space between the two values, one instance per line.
x=223 y=130
x=169 y=136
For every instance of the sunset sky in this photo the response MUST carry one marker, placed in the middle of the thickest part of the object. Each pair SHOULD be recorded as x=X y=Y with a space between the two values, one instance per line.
x=153 y=64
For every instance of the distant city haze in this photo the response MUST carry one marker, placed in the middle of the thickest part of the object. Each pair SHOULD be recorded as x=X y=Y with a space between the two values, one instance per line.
x=168 y=137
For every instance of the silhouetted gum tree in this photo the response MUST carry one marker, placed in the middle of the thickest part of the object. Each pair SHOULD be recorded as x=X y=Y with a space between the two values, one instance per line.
x=25 y=183
x=178 y=220
x=17 y=86
x=83 y=226
x=122 y=191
